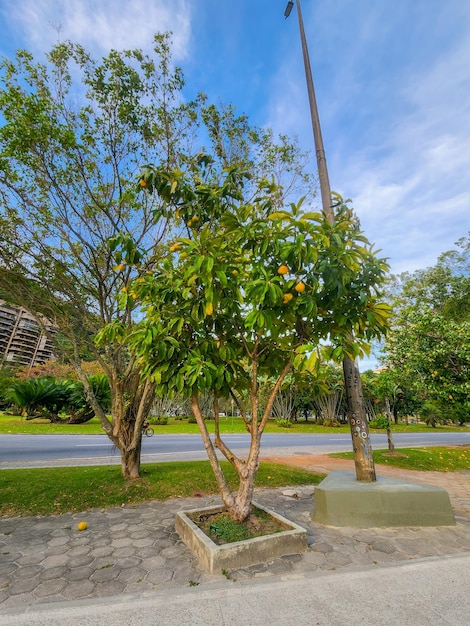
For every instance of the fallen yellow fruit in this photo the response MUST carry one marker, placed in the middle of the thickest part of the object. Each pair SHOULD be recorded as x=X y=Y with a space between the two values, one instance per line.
x=82 y=526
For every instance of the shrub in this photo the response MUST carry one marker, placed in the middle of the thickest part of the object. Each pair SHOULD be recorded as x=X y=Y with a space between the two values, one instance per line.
x=160 y=421
x=284 y=423
x=380 y=422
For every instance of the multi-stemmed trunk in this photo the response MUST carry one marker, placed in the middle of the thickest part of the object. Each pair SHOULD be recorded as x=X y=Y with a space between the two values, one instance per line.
x=131 y=401
x=238 y=503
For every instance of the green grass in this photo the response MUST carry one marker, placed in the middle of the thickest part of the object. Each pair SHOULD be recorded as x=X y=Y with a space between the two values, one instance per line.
x=424 y=459
x=15 y=425
x=52 y=491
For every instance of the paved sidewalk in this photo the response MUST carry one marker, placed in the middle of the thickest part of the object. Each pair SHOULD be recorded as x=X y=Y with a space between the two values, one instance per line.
x=136 y=552
x=417 y=593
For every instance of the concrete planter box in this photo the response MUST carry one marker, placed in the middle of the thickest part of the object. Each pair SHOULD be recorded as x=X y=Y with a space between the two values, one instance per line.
x=214 y=558
x=341 y=500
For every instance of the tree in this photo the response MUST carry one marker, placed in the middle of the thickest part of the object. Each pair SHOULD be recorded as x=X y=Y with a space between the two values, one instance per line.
x=75 y=134
x=428 y=348
x=250 y=293
x=75 y=229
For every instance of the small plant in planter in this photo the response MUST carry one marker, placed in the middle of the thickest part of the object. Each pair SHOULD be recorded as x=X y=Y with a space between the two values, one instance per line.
x=222 y=311
x=221 y=528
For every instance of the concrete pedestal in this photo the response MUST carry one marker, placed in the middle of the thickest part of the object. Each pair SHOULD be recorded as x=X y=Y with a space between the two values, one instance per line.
x=341 y=500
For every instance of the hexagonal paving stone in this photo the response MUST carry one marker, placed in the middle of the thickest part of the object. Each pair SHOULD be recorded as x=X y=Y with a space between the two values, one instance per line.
x=142 y=543
x=9 y=557
x=7 y=568
x=124 y=552
x=31 y=559
x=128 y=562
x=105 y=574
x=78 y=589
x=159 y=576
x=108 y=588
x=173 y=551
x=23 y=585
x=54 y=572
x=58 y=541
x=79 y=573
x=79 y=550
x=80 y=561
x=100 y=542
x=132 y=575
x=55 y=561
x=153 y=563
x=50 y=588
x=29 y=571
x=121 y=543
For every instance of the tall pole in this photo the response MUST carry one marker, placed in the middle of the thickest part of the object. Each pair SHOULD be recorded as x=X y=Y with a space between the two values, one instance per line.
x=317 y=136
x=363 y=458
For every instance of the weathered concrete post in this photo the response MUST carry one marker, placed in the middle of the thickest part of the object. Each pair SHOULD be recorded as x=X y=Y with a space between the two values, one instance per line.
x=363 y=458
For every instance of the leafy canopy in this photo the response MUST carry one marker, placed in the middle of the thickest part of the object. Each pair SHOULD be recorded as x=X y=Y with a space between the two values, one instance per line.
x=250 y=283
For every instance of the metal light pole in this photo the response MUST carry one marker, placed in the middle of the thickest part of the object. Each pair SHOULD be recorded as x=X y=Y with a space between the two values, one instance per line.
x=363 y=459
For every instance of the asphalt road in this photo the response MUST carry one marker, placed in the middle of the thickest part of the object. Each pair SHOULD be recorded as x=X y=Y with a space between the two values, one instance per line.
x=68 y=450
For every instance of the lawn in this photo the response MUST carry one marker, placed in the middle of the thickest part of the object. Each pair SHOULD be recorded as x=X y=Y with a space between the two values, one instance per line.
x=51 y=491
x=439 y=459
x=15 y=425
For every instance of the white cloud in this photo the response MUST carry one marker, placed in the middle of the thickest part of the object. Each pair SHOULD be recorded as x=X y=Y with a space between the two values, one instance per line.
x=99 y=24
x=416 y=198
x=396 y=135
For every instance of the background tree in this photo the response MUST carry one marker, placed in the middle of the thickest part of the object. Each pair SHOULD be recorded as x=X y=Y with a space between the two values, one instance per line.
x=249 y=293
x=428 y=350
x=74 y=136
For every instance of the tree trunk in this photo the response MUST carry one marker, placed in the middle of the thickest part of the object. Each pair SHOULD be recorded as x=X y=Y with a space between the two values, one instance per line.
x=241 y=509
x=388 y=415
x=125 y=430
x=363 y=458
x=130 y=462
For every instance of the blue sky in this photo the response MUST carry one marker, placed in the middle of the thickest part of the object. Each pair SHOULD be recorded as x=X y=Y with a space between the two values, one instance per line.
x=392 y=82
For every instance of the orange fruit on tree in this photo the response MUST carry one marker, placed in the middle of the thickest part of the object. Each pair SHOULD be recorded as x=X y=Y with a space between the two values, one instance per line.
x=300 y=287
x=283 y=270
x=143 y=183
x=287 y=298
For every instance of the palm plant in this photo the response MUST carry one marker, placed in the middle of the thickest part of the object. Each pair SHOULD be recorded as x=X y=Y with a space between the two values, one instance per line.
x=38 y=397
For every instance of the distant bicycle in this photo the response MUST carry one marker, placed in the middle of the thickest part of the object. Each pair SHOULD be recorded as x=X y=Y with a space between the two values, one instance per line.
x=147 y=431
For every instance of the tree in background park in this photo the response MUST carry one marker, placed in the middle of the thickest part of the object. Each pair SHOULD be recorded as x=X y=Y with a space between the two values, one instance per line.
x=250 y=293
x=428 y=348
x=75 y=132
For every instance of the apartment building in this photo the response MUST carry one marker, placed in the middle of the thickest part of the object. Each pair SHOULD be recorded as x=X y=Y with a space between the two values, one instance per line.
x=22 y=342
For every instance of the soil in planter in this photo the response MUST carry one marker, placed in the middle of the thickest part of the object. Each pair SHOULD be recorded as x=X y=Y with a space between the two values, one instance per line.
x=222 y=529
